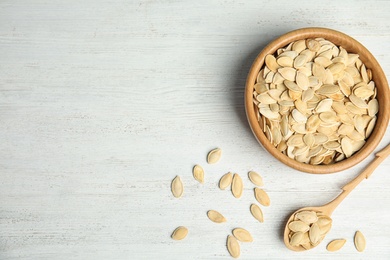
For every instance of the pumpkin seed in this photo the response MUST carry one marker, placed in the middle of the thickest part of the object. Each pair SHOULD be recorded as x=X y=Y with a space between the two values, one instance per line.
x=298 y=226
x=233 y=246
x=225 y=180
x=255 y=178
x=237 y=186
x=335 y=245
x=257 y=212
x=215 y=216
x=179 y=233
x=271 y=63
x=242 y=235
x=360 y=241
x=214 y=156
x=177 y=187
x=288 y=73
x=296 y=239
x=198 y=173
x=262 y=197
x=307 y=216
x=314 y=233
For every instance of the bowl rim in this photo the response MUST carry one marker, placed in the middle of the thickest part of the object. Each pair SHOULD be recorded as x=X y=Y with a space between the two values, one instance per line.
x=351 y=45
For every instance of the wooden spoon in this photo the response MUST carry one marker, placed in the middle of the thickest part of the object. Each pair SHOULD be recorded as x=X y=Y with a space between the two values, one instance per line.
x=328 y=209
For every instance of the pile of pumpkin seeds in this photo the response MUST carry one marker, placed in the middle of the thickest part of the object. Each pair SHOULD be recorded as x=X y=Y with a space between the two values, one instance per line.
x=315 y=102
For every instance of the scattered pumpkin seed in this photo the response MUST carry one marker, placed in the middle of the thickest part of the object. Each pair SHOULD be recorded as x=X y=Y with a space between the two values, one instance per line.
x=179 y=233
x=177 y=187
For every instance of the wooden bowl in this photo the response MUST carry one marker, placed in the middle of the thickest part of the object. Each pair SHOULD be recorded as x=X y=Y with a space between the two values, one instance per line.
x=352 y=46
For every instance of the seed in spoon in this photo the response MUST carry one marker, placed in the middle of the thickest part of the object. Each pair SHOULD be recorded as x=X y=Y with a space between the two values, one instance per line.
x=307 y=216
x=242 y=235
x=298 y=226
x=296 y=239
x=314 y=234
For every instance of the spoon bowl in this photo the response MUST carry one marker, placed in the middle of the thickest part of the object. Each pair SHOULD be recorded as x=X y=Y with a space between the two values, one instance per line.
x=323 y=209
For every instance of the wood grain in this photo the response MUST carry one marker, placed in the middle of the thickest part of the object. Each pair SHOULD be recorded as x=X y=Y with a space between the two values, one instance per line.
x=104 y=102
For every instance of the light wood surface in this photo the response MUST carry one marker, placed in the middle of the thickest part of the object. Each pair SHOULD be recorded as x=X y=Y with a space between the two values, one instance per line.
x=104 y=102
x=352 y=46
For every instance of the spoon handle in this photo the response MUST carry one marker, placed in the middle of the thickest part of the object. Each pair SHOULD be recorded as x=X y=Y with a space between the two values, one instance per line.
x=379 y=157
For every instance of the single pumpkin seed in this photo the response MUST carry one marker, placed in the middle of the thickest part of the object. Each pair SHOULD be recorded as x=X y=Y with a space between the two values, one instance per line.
x=288 y=73
x=360 y=241
x=233 y=246
x=270 y=62
x=255 y=178
x=298 y=226
x=357 y=101
x=257 y=212
x=262 y=197
x=296 y=239
x=237 y=186
x=198 y=173
x=214 y=156
x=225 y=180
x=215 y=216
x=285 y=61
x=177 y=187
x=179 y=233
x=307 y=216
x=373 y=107
x=242 y=235
x=314 y=233
x=335 y=245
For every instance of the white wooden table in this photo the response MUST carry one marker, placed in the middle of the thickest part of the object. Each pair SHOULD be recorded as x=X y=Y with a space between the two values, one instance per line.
x=103 y=103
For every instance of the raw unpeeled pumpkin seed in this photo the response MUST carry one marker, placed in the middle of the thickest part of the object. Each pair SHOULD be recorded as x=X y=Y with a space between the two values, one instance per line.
x=225 y=180
x=215 y=216
x=198 y=173
x=314 y=233
x=179 y=233
x=233 y=246
x=360 y=241
x=255 y=178
x=335 y=245
x=307 y=216
x=237 y=186
x=296 y=239
x=257 y=212
x=242 y=235
x=262 y=197
x=298 y=226
x=177 y=187
x=214 y=156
